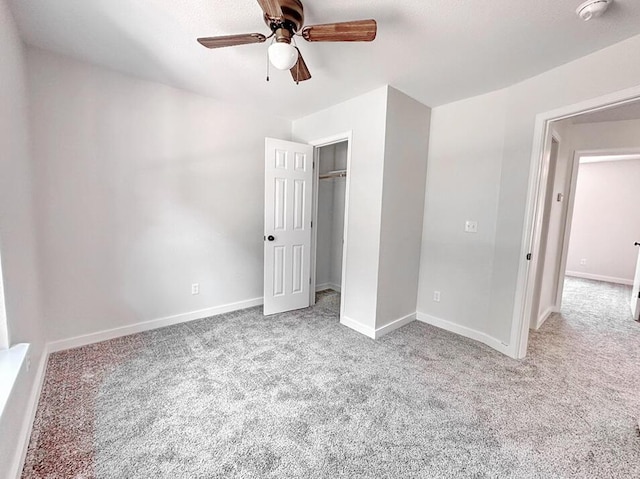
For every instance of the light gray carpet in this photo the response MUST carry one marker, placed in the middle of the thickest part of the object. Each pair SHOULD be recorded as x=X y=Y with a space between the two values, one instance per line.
x=299 y=396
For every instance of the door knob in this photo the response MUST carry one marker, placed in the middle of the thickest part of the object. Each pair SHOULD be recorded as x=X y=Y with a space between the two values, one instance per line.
x=636 y=244
x=270 y=238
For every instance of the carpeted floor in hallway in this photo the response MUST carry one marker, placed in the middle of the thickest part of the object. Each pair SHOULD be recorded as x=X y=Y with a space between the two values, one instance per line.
x=297 y=395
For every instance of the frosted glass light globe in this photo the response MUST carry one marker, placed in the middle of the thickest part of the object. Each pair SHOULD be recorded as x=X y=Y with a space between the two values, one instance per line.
x=283 y=56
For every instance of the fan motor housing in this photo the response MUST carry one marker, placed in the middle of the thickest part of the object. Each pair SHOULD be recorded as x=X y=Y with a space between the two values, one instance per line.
x=293 y=16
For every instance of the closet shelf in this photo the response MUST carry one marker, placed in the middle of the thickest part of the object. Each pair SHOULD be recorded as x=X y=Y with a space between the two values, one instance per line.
x=334 y=174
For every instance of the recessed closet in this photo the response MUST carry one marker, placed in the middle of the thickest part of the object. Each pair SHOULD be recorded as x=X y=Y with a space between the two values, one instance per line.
x=330 y=204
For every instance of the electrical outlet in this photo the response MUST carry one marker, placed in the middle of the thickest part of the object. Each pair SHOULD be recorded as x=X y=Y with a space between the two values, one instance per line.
x=583 y=261
x=195 y=288
x=471 y=226
x=436 y=296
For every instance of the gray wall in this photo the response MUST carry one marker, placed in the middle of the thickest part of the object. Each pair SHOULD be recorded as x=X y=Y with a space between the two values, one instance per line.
x=405 y=168
x=386 y=200
x=496 y=130
x=142 y=190
x=606 y=222
x=365 y=117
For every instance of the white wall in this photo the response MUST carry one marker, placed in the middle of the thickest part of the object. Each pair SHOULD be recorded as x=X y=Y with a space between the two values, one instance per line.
x=607 y=135
x=17 y=234
x=463 y=175
x=142 y=190
x=405 y=166
x=364 y=116
x=497 y=193
x=605 y=221
x=387 y=178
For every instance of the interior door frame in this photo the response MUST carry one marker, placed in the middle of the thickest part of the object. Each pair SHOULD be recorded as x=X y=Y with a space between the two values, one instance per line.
x=547 y=185
x=531 y=236
x=317 y=144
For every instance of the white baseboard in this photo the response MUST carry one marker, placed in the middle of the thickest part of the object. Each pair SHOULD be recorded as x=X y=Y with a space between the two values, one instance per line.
x=544 y=316
x=105 y=335
x=379 y=332
x=599 y=277
x=392 y=326
x=30 y=415
x=359 y=327
x=466 y=332
x=323 y=286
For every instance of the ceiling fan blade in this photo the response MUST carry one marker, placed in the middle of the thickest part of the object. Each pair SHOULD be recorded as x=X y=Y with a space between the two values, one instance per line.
x=358 y=31
x=271 y=8
x=300 y=72
x=232 y=40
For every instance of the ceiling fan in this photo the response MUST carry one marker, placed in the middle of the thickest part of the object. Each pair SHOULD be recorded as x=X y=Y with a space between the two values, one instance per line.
x=285 y=19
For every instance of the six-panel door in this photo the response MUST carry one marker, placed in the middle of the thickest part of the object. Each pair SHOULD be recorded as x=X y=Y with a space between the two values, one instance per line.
x=287 y=225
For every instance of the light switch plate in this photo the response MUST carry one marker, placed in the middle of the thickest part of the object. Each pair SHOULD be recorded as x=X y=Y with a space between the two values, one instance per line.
x=471 y=226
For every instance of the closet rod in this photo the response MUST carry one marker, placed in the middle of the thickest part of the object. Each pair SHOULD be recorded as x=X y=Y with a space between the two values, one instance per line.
x=334 y=174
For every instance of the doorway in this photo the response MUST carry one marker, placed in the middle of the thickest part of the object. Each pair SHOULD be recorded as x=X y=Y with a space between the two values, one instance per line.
x=587 y=217
x=329 y=211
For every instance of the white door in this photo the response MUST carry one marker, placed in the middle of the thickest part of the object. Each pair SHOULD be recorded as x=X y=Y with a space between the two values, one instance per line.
x=287 y=225
x=635 y=300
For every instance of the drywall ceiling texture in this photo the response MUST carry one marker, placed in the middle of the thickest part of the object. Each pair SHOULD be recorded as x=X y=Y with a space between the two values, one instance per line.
x=17 y=236
x=143 y=190
x=436 y=51
x=504 y=190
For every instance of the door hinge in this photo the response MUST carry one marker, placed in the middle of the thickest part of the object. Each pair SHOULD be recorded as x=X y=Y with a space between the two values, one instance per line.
x=309 y=279
x=528 y=256
x=312 y=224
x=313 y=165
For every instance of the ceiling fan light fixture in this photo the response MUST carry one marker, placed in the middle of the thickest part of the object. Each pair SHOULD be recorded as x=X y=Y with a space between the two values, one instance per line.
x=592 y=9
x=283 y=55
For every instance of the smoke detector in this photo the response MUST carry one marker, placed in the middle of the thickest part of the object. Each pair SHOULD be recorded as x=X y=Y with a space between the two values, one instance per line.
x=592 y=9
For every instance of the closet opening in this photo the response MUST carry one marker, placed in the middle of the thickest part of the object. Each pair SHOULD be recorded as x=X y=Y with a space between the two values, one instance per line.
x=329 y=212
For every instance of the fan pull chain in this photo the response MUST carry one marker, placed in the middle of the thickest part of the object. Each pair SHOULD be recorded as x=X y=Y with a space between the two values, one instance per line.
x=268 y=62
x=298 y=62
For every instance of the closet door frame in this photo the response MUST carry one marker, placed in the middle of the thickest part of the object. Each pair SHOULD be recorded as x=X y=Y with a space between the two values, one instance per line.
x=317 y=144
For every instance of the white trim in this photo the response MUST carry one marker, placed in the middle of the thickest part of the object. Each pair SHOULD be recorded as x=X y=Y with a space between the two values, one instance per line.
x=332 y=286
x=27 y=423
x=359 y=327
x=107 y=334
x=544 y=316
x=599 y=277
x=464 y=331
x=608 y=158
x=12 y=362
x=531 y=231
x=393 y=325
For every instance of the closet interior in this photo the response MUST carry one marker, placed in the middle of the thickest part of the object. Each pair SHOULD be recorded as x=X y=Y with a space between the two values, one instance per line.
x=332 y=173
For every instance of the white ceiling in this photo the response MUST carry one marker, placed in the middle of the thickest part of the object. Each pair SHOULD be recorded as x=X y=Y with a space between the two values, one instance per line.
x=436 y=51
